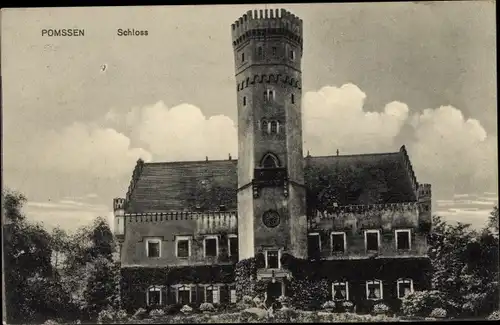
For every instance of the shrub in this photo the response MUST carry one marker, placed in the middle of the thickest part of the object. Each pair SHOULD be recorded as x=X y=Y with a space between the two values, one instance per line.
x=206 y=306
x=111 y=315
x=421 y=303
x=186 y=309
x=309 y=294
x=328 y=305
x=172 y=309
x=347 y=305
x=286 y=315
x=139 y=313
x=438 y=313
x=494 y=315
x=252 y=314
x=284 y=300
x=50 y=322
x=156 y=313
x=380 y=309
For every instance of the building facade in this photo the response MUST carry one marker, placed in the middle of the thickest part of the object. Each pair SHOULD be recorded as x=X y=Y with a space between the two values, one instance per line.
x=183 y=225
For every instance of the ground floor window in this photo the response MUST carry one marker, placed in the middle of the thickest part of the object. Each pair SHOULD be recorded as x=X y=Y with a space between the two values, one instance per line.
x=405 y=287
x=374 y=290
x=153 y=296
x=184 y=295
x=232 y=296
x=272 y=259
x=340 y=291
x=212 y=294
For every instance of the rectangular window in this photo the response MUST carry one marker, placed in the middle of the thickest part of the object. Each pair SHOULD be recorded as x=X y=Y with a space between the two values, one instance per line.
x=184 y=295
x=372 y=240
x=340 y=291
x=232 y=296
x=403 y=239
x=374 y=290
x=274 y=51
x=272 y=259
x=292 y=55
x=244 y=101
x=242 y=57
x=314 y=245
x=212 y=294
x=338 y=242
x=183 y=246
x=260 y=53
x=268 y=95
x=153 y=247
x=405 y=287
x=233 y=245
x=154 y=296
x=211 y=246
x=293 y=99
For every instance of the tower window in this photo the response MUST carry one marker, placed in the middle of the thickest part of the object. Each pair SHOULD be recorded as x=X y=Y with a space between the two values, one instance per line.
x=274 y=51
x=292 y=55
x=264 y=127
x=274 y=127
x=293 y=99
x=269 y=94
x=242 y=57
x=260 y=53
x=244 y=101
x=270 y=161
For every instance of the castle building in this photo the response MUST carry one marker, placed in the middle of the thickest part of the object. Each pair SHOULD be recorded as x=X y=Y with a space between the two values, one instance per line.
x=183 y=225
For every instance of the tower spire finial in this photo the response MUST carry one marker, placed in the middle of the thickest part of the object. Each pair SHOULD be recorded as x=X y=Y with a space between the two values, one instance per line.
x=337 y=152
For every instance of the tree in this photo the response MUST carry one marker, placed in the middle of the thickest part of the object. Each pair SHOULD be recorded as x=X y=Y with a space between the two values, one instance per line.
x=493 y=221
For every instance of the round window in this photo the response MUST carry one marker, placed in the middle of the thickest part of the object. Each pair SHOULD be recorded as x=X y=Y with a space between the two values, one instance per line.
x=271 y=219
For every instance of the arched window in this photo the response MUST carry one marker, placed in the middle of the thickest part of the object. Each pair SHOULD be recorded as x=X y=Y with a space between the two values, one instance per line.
x=264 y=127
x=274 y=127
x=340 y=291
x=405 y=287
x=153 y=296
x=374 y=290
x=270 y=161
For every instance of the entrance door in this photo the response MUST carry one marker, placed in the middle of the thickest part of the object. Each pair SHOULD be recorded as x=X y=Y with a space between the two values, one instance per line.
x=273 y=293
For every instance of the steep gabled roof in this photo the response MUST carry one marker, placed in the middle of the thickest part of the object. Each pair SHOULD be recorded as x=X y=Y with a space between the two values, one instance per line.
x=206 y=185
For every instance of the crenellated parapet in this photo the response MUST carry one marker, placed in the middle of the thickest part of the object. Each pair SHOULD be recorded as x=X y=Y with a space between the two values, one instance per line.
x=270 y=78
x=260 y=23
x=217 y=217
x=135 y=177
x=400 y=207
x=118 y=204
x=409 y=169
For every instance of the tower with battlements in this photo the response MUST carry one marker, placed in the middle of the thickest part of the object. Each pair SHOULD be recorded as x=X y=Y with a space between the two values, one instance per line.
x=267 y=48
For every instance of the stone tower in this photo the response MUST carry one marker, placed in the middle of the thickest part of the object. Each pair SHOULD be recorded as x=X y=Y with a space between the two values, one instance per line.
x=271 y=195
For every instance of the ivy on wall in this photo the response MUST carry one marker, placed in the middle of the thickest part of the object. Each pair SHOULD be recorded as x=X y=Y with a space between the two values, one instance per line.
x=245 y=273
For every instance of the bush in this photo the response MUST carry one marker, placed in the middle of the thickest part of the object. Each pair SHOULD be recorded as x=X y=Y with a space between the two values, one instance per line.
x=186 y=309
x=139 y=313
x=172 y=309
x=284 y=300
x=421 y=303
x=328 y=305
x=380 y=309
x=309 y=294
x=156 y=313
x=110 y=315
x=494 y=315
x=252 y=314
x=286 y=315
x=206 y=306
x=347 y=305
x=438 y=313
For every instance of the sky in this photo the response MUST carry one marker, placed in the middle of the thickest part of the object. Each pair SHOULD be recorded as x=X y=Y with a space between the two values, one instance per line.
x=375 y=76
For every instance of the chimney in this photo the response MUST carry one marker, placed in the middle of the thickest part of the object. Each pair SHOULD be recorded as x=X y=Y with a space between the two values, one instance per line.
x=337 y=152
x=230 y=157
x=206 y=158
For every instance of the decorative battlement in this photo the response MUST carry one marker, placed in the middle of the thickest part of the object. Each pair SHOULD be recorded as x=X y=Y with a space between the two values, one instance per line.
x=270 y=78
x=180 y=215
x=406 y=206
x=266 y=22
x=118 y=204
x=424 y=191
x=409 y=169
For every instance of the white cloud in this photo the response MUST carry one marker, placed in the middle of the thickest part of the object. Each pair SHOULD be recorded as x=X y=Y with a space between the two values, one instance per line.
x=85 y=149
x=334 y=118
x=183 y=132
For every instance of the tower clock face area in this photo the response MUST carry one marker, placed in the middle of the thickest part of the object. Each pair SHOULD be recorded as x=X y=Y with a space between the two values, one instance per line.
x=271 y=219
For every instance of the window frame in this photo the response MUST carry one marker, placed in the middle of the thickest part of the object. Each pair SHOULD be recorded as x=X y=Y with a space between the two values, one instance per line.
x=216 y=245
x=372 y=231
x=292 y=54
x=154 y=288
x=231 y=290
x=178 y=289
x=213 y=288
x=242 y=57
x=244 y=100
x=381 y=287
x=157 y=240
x=266 y=258
x=179 y=238
x=319 y=238
x=229 y=243
x=408 y=231
x=344 y=235
x=292 y=98
x=401 y=281
x=346 y=284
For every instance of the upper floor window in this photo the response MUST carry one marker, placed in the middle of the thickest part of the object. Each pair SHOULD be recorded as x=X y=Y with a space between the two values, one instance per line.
x=269 y=95
x=153 y=247
x=403 y=239
x=405 y=287
x=340 y=291
x=243 y=57
x=244 y=100
x=154 y=296
x=265 y=126
x=372 y=240
x=212 y=294
x=313 y=244
x=260 y=53
x=273 y=259
x=293 y=98
x=274 y=51
x=233 y=245
x=210 y=246
x=338 y=242
x=374 y=290
x=274 y=127
x=183 y=246
x=292 y=55
x=270 y=161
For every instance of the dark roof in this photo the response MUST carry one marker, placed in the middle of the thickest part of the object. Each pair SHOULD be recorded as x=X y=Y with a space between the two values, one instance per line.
x=206 y=185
